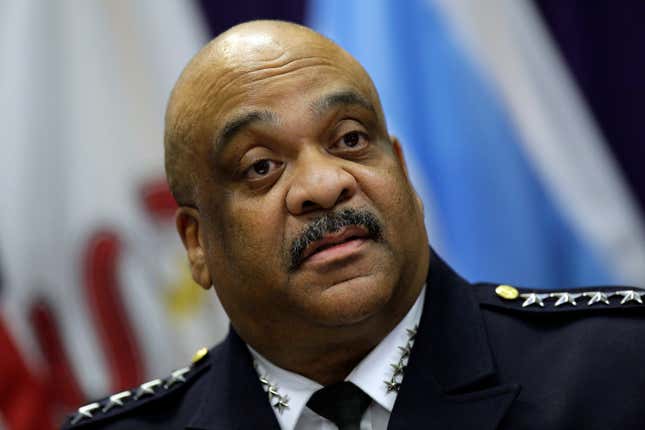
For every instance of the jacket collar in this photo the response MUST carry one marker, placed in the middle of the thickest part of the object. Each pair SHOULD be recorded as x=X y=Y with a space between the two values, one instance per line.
x=233 y=398
x=452 y=333
x=450 y=381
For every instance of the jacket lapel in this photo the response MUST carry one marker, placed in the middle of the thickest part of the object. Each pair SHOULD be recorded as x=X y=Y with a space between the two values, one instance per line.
x=450 y=381
x=234 y=398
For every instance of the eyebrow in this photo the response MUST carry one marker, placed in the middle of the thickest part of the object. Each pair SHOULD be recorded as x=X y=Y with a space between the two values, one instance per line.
x=239 y=123
x=340 y=98
x=319 y=107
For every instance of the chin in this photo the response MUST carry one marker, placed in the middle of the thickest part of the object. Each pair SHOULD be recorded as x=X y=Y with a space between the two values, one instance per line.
x=352 y=301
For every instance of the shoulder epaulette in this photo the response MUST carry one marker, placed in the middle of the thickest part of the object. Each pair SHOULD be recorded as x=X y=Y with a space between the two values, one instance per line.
x=574 y=299
x=129 y=400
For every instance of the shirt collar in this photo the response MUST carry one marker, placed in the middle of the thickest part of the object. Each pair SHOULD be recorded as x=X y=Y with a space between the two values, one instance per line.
x=296 y=387
x=369 y=375
x=372 y=372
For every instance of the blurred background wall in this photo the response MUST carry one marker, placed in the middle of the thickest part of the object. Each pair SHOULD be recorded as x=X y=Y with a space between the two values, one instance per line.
x=520 y=119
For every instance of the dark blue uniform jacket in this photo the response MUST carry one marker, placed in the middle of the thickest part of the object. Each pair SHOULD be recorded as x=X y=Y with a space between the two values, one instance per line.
x=479 y=362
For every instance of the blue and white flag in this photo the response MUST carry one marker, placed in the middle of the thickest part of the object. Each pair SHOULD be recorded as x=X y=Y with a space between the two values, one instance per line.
x=516 y=178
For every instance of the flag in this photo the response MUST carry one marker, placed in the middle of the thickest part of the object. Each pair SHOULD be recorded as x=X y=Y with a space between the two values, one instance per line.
x=96 y=289
x=517 y=180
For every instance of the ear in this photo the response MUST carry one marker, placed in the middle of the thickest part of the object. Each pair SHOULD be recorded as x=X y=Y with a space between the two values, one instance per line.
x=398 y=152
x=187 y=221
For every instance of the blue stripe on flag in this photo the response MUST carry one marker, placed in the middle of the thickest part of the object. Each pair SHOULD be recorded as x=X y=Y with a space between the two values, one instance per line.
x=496 y=219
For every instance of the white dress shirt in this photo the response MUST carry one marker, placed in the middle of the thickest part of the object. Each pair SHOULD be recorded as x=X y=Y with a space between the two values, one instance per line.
x=369 y=375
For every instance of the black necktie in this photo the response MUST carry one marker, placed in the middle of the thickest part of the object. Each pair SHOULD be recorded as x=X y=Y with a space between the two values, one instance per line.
x=343 y=404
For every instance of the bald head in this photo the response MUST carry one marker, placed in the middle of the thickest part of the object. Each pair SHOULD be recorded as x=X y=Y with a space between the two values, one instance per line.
x=245 y=54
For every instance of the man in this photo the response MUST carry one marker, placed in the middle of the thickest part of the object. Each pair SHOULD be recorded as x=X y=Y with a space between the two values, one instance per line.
x=295 y=205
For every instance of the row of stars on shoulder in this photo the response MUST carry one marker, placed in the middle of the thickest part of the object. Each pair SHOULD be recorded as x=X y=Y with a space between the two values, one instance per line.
x=130 y=397
x=560 y=298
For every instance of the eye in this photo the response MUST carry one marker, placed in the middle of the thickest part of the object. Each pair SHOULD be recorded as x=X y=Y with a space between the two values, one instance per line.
x=261 y=168
x=353 y=139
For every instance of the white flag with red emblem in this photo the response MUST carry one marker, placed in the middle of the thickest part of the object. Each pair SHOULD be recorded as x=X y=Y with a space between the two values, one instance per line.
x=95 y=286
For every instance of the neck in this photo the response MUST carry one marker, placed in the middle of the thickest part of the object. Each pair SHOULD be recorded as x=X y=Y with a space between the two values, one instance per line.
x=330 y=354
x=329 y=368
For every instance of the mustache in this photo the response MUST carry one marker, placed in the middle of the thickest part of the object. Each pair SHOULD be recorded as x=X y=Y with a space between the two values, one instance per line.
x=331 y=223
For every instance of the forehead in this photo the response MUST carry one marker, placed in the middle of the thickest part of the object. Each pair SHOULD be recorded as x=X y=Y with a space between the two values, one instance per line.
x=287 y=64
x=261 y=73
x=293 y=83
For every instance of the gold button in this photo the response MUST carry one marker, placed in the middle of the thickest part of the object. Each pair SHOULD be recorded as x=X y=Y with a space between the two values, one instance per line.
x=201 y=353
x=507 y=292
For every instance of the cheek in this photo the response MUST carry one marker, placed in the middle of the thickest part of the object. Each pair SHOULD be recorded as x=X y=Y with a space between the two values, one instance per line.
x=244 y=257
x=249 y=235
x=391 y=193
x=389 y=189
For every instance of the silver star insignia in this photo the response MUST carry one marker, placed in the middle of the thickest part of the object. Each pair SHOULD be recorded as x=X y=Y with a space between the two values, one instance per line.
x=392 y=385
x=176 y=377
x=533 y=299
x=398 y=368
x=631 y=296
x=147 y=388
x=273 y=391
x=85 y=412
x=264 y=381
x=282 y=404
x=565 y=298
x=116 y=400
x=597 y=297
x=405 y=350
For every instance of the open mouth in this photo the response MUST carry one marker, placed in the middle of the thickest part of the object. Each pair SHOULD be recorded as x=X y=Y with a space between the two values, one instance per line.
x=336 y=244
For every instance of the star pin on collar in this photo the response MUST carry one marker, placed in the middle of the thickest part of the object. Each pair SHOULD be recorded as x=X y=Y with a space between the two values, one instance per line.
x=597 y=297
x=630 y=296
x=282 y=403
x=533 y=299
x=392 y=386
x=405 y=350
x=394 y=383
x=85 y=412
x=564 y=298
x=147 y=388
x=116 y=400
x=398 y=368
x=176 y=377
x=277 y=400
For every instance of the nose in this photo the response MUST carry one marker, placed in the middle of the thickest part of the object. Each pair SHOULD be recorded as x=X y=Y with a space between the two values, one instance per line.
x=320 y=182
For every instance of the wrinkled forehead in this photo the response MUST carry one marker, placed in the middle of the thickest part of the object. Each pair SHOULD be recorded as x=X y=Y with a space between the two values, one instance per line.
x=259 y=69
x=256 y=70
